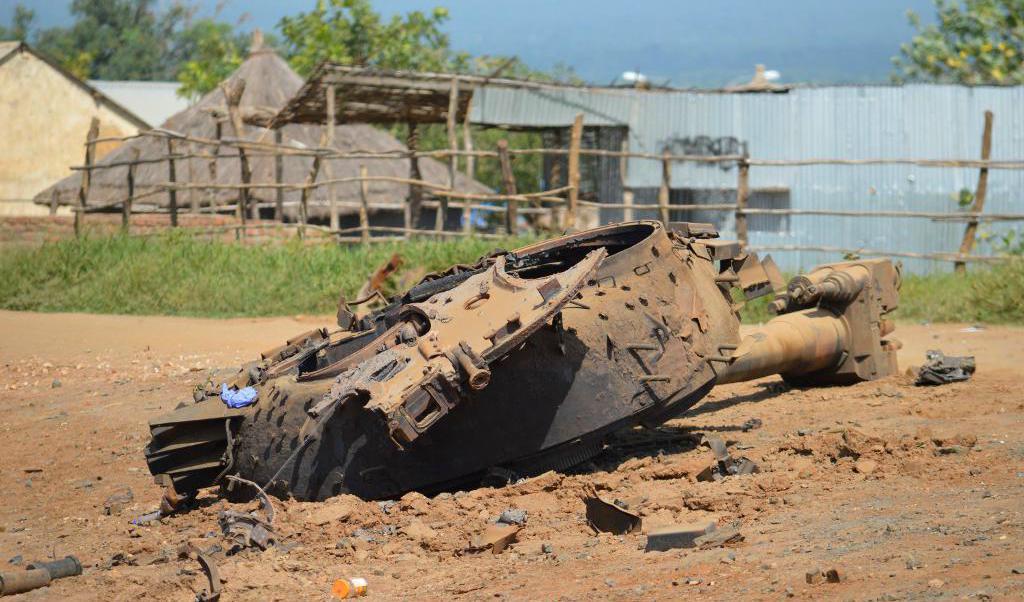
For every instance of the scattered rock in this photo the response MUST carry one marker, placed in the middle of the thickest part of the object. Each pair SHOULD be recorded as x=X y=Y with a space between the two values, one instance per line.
x=751 y=424
x=936 y=583
x=17 y=560
x=547 y=548
x=676 y=536
x=913 y=563
x=55 y=384
x=332 y=511
x=832 y=576
x=118 y=501
x=512 y=516
x=417 y=531
x=1017 y=570
x=865 y=466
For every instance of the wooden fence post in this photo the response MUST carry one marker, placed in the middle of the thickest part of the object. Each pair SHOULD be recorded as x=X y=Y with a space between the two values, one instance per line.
x=126 y=206
x=664 y=192
x=233 y=96
x=172 y=192
x=467 y=140
x=742 y=196
x=979 y=195
x=332 y=199
x=575 y=139
x=278 y=177
x=411 y=214
x=453 y=159
x=509 y=180
x=364 y=210
x=304 y=197
x=212 y=165
x=83 y=190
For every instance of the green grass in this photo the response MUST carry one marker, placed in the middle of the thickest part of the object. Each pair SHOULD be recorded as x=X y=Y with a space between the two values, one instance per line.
x=175 y=274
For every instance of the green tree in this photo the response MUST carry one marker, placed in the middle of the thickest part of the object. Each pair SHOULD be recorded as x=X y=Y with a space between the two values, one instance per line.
x=211 y=51
x=977 y=42
x=21 y=24
x=118 y=39
x=351 y=32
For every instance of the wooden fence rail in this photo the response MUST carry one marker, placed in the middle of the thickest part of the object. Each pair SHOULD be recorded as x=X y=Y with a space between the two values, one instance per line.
x=563 y=201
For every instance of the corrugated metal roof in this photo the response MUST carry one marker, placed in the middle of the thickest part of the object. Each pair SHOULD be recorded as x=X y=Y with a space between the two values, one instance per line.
x=154 y=102
x=841 y=122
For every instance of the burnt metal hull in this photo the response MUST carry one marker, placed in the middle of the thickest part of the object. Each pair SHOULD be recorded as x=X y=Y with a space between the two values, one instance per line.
x=609 y=328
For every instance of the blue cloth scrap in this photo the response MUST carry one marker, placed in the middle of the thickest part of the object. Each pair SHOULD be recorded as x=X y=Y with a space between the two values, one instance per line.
x=237 y=398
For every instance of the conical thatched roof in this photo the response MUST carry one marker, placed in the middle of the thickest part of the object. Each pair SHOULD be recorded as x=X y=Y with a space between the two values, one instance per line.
x=270 y=82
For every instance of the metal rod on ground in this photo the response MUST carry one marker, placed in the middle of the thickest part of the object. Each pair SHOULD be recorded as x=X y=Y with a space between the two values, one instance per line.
x=332 y=199
x=126 y=206
x=575 y=137
x=453 y=145
x=979 y=195
x=279 y=178
x=83 y=190
x=172 y=192
x=411 y=214
x=665 y=190
x=509 y=181
x=742 y=196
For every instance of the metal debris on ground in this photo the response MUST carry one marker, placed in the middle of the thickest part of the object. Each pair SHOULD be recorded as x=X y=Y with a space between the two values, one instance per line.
x=607 y=517
x=676 y=536
x=37 y=575
x=495 y=537
x=941 y=369
x=209 y=567
x=621 y=326
x=247 y=529
x=725 y=465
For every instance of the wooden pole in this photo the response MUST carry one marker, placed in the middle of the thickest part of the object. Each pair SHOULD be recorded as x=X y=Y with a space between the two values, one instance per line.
x=979 y=195
x=219 y=133
x=233 y=90
x=411 y=215
x=627 y=195
x=742 y=196
x=364 y=210
x=279 y=178
x=467 y=140
x=453 y=159
x=304 y=197
x=575 y=137
x=83 y=190
x=664 y=192
x=126 y=206
x=54 y=201
x=332 y=199
x=172 y=192
x=509 y=180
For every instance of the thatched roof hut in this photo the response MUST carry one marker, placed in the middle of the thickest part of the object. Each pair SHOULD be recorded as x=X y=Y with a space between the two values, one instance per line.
x=269 y=83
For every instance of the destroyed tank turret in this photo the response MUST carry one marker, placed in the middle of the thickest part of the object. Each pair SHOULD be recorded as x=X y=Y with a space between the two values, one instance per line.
x=523 y=362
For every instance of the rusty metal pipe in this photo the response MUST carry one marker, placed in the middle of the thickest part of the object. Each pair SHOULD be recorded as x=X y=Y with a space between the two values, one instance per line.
x=791 y=344
x=17 y=582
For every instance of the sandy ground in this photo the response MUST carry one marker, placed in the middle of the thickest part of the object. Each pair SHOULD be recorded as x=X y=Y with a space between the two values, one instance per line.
x=939 y=515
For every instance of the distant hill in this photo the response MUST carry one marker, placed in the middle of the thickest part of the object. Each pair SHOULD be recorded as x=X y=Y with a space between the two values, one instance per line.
x=690 y=42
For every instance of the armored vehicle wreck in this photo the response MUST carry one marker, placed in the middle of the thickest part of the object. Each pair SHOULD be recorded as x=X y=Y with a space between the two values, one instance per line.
x=525 y=362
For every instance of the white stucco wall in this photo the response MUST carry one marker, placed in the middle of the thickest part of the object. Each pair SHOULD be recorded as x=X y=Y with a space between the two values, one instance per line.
x=44 y=119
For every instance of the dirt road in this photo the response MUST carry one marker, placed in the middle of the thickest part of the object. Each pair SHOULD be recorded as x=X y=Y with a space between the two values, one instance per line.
x=907 y=492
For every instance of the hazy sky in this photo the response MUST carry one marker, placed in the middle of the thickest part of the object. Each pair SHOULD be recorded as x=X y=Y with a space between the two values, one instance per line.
x=690 y=42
